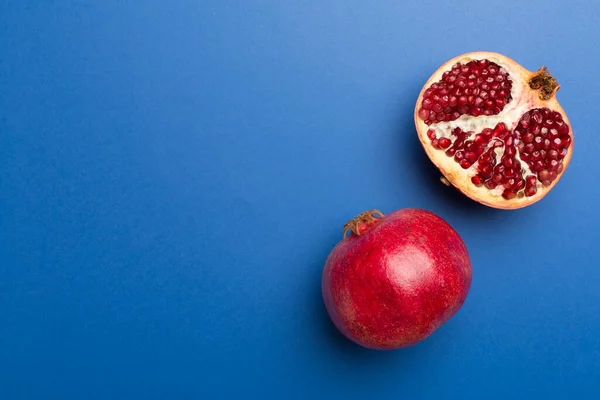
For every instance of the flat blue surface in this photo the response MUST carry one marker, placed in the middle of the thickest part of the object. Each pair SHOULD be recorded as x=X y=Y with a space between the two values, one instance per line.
x=173 y=175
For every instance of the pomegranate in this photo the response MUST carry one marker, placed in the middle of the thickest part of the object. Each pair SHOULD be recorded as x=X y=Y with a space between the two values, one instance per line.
x=494 y=129
x=393 y=280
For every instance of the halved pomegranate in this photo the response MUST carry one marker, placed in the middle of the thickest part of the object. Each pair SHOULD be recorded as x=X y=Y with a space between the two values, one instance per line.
x=494 y=129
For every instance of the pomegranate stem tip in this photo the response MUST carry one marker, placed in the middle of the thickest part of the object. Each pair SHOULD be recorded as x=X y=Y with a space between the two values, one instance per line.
x=545 y=83
x=361 y=222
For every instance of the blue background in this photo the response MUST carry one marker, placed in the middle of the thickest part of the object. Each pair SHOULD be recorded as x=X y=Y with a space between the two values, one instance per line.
x=173 y=175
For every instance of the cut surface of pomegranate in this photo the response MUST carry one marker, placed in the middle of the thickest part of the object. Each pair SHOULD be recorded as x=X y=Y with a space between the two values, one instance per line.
x=494 y=129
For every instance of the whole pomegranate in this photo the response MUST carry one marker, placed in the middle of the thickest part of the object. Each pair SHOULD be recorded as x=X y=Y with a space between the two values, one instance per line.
x=395 y=279
x=494 y=129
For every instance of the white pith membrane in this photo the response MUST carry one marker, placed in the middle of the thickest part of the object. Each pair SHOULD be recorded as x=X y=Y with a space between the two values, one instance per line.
x=523 y=99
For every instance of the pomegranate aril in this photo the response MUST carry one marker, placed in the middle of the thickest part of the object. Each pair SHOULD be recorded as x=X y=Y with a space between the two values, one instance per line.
x=509 y=194
x=530 y=191
x=563 y=153
x=507 y=162
x=465 y=164
x=435 y=144
x=520 y=184
x=490 y=184
x=444 y=143
x=486 y=171
x=476 y=180
x=471 y=157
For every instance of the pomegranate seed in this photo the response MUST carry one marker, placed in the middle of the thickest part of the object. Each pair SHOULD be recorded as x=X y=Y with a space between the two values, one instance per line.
x=520 y=184
x=552 y=155
x=530 y=191
x=499 y=128
x=530 y=148
x=528 y=138
x=546 y=144
x=543 y=175
x=563 y=153
x=538 y=166
x=471 y=157
x=465 y=164
x=435 y=144
x=476 y=180
x=423 y=114
x=509 y=194
x=486 y=171
x=490 y=184
x=444 y=143
x=431 y=134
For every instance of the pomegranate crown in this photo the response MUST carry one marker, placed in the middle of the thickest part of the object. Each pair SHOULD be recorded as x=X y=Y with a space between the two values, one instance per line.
x=361 y=222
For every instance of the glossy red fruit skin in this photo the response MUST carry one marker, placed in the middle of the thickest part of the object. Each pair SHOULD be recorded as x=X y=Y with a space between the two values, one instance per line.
x=398 y=281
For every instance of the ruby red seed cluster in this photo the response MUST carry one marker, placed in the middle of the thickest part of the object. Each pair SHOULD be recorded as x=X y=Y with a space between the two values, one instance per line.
x=479 y=87
x=540 y=139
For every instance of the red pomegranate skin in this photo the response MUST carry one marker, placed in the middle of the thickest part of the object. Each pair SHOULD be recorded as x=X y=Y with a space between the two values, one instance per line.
x=398 y=281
